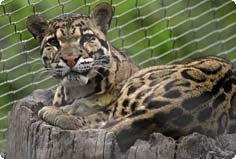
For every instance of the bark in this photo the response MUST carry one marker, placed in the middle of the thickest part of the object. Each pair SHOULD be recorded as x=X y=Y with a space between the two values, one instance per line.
x=31 y=138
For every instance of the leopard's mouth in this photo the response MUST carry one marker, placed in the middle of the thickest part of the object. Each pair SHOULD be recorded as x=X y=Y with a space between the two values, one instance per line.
x=78 y=70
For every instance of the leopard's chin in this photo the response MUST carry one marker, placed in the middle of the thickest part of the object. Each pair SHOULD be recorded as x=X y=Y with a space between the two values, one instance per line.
x=75 y=78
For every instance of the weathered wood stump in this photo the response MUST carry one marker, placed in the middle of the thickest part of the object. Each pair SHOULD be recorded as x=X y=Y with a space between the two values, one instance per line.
x=31 y=138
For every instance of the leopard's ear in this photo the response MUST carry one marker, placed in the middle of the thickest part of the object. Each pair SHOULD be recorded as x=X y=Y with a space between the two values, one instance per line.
x=103 y=16
x=37 y=25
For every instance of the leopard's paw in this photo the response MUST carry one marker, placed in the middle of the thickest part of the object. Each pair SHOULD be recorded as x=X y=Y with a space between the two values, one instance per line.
x=57 y=117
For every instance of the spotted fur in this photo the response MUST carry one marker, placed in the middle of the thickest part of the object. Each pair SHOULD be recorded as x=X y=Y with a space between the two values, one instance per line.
x=102 y=88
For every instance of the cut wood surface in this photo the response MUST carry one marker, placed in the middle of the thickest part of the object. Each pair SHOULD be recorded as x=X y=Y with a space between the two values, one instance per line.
x=31 y=138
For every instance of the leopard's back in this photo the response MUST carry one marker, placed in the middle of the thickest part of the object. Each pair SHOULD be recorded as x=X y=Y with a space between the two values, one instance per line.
x=179 y=99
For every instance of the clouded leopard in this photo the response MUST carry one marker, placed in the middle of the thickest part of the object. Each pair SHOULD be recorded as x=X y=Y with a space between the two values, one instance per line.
x=102 y=88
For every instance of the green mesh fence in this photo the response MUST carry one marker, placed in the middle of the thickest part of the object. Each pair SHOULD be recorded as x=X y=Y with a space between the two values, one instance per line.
x=152 y=31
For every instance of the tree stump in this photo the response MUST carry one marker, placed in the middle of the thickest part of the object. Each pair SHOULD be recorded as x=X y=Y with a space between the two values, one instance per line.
x=31 y=138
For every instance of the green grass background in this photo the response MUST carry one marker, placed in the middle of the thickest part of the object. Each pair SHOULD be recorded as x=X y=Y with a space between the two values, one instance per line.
x=151 y=31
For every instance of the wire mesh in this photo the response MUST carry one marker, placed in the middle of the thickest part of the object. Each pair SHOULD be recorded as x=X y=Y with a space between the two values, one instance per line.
x=152 y=31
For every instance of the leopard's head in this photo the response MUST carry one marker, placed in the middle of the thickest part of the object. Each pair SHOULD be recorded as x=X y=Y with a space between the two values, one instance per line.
x=73 y=46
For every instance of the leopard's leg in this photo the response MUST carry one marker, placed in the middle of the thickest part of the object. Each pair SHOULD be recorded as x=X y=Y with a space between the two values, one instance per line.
x=57 y=117
x=80 y=114
x=139 y=125
x=166 y=120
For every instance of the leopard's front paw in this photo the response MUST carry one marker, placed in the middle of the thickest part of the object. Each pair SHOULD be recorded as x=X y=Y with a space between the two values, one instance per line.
x=57 y=117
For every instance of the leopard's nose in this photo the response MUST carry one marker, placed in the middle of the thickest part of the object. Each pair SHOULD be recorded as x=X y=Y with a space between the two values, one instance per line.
x=71 y=60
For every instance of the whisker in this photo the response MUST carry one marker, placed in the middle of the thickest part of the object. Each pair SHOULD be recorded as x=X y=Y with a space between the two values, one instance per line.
x=98 y=60
x=34 y=58
x=54 y=69
x=41 y=74
x=112 y=71
x=101 y=66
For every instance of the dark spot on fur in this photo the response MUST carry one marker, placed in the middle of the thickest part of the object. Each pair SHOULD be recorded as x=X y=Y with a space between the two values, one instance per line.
x=133 y=106
x=156 y=104
x=172 y=94
x=175 y=113
x=123 y=112
x=125 y=142
x=103 y=43
x=163 y=75
x=131 y=89
x=187 y=75
x=169 y=85
x=209 y=70
x=176 y=83
x=62 y=31
x=194 y=102
x=99 y=78
x=183 y=120
x=204 y=114
x=227 y=86
x=160 y=119
x=125 y=102
x=137 y=113
x=153 y=83
x=220 y=82
x=78 y=25
x=185 y=84
x=153 y=76
x=63 y=102
x=140 y=95
x=134 y=87
x=82 y=23
x=148 y=99
x=219 y=100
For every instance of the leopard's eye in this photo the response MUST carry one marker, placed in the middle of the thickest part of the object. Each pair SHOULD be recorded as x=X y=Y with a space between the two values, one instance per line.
x=53 y=42
x=87 y=37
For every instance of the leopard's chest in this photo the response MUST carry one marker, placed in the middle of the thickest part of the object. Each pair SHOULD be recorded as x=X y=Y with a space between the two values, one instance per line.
x=84 y=100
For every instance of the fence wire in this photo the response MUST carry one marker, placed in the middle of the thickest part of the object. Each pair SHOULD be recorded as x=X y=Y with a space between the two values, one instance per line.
x=152 y=31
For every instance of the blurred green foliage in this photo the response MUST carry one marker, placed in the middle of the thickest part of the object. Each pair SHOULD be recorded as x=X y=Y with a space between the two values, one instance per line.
x=152 y=31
